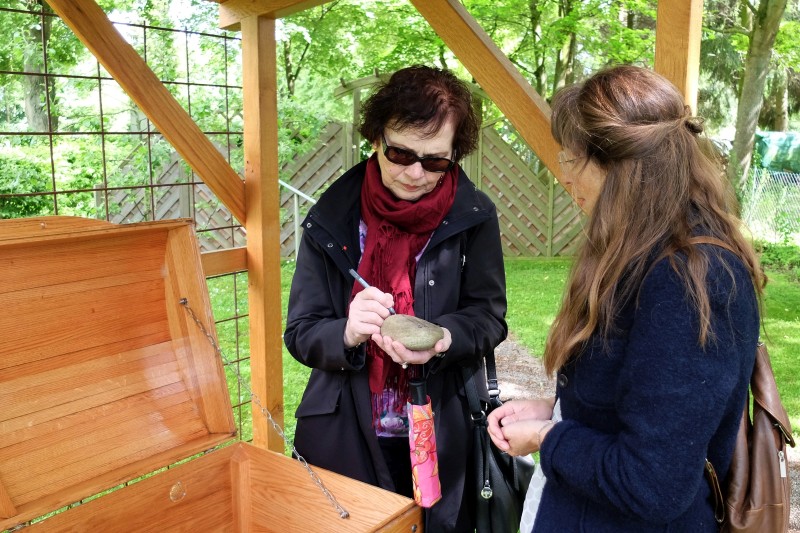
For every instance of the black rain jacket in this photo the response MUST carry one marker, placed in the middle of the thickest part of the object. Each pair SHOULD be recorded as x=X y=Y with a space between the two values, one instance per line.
x=460 y=285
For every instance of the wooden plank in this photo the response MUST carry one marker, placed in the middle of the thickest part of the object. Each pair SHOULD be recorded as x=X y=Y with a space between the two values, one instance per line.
x=199 y=362
x=62 y=228
x=91 y=25
x=78 y=443
x=241 y=501
x=68 y=491
x=41 y=397
x=224 y=261
x=191 y=497
x=369 y=507
x=116 y=452
x=259 y=82
x=51 y=262
x=233 y=12
x=678 y=33
x=65 y=330
x=75 y=368
x=25 y=228
x=56 y=412
x=7 y=508
x=519 y=102
x=144 y=398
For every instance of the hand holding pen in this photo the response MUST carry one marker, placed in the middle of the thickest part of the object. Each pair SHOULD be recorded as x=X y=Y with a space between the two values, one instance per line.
x=366 y=285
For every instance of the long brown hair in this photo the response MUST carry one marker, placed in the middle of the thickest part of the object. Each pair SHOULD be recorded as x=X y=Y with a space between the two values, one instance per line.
x=662 y=185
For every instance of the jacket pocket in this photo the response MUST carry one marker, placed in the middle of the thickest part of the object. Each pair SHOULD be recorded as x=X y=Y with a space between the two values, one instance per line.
x=322 y=394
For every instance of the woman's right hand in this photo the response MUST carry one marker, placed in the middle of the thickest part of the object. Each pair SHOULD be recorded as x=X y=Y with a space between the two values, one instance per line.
x=368 y=310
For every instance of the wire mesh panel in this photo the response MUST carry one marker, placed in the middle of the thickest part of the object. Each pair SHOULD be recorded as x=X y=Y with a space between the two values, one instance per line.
x=771 y=205
x=75 y=144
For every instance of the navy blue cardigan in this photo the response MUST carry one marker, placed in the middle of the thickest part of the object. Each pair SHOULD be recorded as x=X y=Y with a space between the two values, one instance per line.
x=643 y=409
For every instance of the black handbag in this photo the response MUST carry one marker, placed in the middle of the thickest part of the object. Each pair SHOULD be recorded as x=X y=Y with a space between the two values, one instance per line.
x=502 y=480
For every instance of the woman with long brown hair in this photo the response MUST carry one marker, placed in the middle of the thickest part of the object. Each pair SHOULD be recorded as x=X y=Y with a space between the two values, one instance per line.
x=655 y=339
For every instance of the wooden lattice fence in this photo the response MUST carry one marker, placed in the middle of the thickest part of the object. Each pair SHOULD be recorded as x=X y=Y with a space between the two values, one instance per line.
x=537 y=216
x=311 y=173
x=172 y=196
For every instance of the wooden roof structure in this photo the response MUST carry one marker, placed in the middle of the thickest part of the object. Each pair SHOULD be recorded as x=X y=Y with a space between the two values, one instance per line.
x=254 y=201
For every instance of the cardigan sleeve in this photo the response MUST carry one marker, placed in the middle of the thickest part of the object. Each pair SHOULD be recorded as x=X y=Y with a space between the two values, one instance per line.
x=671 y=397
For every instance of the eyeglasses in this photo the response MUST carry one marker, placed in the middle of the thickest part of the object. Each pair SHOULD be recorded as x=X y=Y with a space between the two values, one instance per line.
x=562 y=158
x=399 y=156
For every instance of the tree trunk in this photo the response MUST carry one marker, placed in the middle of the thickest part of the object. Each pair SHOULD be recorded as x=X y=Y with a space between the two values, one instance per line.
x=539 y=73
x=38 y=89
x=756 y=68
x=779 y=100
x=563 y=72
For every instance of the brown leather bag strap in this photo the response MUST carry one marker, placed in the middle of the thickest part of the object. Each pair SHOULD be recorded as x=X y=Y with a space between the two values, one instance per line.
x=712 y=240
x=716 y=492
x=765 y=393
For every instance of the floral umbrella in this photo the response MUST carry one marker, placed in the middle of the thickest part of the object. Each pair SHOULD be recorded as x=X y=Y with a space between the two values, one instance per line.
x=422 y=440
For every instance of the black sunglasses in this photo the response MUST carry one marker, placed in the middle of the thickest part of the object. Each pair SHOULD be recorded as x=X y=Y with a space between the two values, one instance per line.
x=399 y=156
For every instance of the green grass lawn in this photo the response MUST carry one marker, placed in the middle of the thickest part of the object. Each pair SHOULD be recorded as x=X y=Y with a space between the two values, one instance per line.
x=534 y=288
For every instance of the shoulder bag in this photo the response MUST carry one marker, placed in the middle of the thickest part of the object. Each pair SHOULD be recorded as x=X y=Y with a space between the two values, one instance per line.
x=501 y=479
x=756 y=496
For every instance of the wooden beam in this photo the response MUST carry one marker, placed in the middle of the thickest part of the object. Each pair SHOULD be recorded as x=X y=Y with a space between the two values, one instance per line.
x=91 y=25
x=519 y=102
x=233 y=12
x=226 y=261
x=678 y=33
x=259 y=80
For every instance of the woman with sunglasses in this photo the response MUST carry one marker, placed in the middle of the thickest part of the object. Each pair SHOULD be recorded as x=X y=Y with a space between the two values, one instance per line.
x=427 y=243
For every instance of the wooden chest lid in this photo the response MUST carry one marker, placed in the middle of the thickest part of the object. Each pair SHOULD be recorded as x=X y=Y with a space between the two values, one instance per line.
x=104 y=376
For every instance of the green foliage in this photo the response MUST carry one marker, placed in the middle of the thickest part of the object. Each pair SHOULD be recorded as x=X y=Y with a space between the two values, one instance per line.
x=785 y=51
x=781 y=257
x=299 y=126
x=20 y=175
x=782 y=335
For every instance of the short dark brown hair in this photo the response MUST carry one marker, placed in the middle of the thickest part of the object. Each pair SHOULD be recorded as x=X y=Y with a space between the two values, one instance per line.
x=423 y=98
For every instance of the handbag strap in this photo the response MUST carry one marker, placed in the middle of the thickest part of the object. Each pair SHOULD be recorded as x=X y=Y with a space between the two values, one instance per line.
x=477 y=414
x=491 y=377
x=765 y=393
x=702 y=239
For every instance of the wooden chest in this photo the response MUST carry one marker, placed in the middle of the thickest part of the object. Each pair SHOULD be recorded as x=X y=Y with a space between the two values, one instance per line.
x=105 y=378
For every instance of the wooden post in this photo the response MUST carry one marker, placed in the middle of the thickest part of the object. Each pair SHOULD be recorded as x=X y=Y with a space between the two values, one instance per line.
x=678 y=33
x=259 y=80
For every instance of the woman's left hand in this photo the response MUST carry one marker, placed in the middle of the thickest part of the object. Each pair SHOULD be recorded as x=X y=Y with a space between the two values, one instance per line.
x=523 y=437
x=517 y=427
x=402 y=355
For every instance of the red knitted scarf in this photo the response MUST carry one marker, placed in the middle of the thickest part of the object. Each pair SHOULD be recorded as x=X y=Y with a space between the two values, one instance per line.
x=397 y=230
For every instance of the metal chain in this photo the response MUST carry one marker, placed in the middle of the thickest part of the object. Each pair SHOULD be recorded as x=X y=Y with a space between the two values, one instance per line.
x=343 y=513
